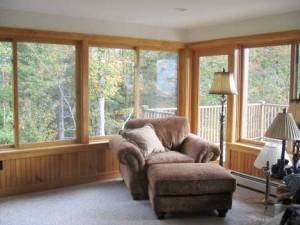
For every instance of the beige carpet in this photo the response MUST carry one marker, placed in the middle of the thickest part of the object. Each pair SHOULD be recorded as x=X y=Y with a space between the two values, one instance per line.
x=110 y=204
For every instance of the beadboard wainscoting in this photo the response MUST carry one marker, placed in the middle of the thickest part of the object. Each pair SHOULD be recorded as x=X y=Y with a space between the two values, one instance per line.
x=34 y=169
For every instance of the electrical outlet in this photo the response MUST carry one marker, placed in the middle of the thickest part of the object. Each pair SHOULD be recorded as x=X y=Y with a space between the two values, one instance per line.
x=1 y=165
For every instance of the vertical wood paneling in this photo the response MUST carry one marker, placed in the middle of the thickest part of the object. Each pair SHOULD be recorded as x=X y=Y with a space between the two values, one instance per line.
x=243 y=161
x=44 y=172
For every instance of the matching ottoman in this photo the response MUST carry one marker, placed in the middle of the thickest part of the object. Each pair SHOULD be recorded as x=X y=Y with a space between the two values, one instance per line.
x=188 y=187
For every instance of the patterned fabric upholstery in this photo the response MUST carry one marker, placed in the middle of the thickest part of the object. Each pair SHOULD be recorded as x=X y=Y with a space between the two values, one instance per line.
x=190 y=187
x=189 y=179
x=174 y=133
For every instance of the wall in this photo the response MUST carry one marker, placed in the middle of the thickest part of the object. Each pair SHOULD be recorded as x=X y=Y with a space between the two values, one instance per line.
x=267 y=24
x=46 y=168
x=18 y=19
x=241 y=158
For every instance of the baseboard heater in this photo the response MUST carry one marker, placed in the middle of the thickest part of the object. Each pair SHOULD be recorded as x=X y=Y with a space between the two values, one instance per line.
x=255 y=183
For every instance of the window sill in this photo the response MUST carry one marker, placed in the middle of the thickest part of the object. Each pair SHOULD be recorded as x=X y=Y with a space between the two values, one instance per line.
x=10 y=153
x=246 y=146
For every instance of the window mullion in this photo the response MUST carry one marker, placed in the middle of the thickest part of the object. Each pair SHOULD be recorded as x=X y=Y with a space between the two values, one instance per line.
x=137 y=84
x=82 y=56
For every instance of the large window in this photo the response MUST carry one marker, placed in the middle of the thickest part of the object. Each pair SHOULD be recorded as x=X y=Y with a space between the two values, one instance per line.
x=158 y=84
x=6 y=110
x=111 y=89
x=266 y=88
x=47 y=97
x=209 y=105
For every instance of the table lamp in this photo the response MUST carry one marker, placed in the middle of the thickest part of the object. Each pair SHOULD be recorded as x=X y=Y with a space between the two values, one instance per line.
x=294 y=108
x=283 y=128
x=223 y=84
x=265 y=159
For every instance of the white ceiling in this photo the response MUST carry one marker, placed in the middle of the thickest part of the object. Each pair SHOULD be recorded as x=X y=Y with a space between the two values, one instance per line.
x=160 y=13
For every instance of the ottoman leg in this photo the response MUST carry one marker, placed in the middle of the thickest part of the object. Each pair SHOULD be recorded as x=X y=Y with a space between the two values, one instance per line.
x=160 y=215
x=222 y=212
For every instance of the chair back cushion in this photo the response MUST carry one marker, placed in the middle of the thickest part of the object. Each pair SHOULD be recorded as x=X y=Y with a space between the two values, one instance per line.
x=170 y=130
x=145 y=138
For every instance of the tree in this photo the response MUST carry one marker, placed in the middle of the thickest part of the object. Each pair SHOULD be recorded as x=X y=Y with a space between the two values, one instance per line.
x=111 y=78
x=6 y=114
x=46 y=92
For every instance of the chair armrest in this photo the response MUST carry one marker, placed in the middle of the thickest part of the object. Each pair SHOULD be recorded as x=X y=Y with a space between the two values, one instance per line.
x=127 y=153
x=200 y=150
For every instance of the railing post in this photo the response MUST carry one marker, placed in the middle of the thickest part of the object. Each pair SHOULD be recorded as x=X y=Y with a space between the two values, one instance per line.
x=144 y=108
x=262 y=118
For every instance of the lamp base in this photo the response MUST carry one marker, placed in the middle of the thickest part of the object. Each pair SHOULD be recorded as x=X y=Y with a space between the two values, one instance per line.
x=279 y=175
x=279 y=169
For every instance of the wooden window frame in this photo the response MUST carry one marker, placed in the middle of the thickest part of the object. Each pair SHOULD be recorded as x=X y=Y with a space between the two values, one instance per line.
x=92 y=139
x=196 y=77
x=241 y=85
x=82 y=42
x=137 y=84
x=77 y=77
x=237 y=44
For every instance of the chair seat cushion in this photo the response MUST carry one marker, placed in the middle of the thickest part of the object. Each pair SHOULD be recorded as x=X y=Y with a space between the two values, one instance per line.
x=182 y=179
x=168 y=157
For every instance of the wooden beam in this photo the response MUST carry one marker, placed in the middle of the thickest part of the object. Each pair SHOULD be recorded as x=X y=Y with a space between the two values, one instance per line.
x=250 y=40
x=82 y=91
x=137 y=85
x=184 y=83
x=92 y=39
x=194 y=83
x=231 y=111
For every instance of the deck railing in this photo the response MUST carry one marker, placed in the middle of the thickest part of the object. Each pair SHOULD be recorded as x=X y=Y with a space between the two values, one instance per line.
x=259 y=118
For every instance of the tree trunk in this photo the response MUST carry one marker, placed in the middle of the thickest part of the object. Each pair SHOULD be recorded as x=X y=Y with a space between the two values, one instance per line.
x=101 y=118
x=60 y=115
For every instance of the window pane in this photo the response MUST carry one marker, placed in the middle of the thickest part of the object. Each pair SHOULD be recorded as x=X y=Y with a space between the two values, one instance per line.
x=47 y=97
x=6 y=110
x=111 y=89
x=158 y=84
x=209 y=104
x=266 y=88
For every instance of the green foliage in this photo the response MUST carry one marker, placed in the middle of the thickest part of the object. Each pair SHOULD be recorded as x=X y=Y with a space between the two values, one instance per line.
x=111 y=82
x=6 y=113
x=269 y=74
x=208 y=65
x=46 y=75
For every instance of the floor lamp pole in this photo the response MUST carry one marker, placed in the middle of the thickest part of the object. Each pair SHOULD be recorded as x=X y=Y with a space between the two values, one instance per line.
x=222 y=119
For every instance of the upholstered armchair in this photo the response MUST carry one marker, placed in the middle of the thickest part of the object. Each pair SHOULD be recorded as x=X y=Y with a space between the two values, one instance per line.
x=174 y=133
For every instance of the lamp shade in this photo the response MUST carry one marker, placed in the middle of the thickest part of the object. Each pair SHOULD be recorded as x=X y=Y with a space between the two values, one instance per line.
x=271 y=152
x=223 y=84
x=283 y=127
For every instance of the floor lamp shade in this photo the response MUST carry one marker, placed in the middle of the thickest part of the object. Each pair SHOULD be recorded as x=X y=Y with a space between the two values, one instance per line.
x=223 y=84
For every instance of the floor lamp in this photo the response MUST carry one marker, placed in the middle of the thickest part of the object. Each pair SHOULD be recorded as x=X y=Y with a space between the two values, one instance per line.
x=223 y=84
